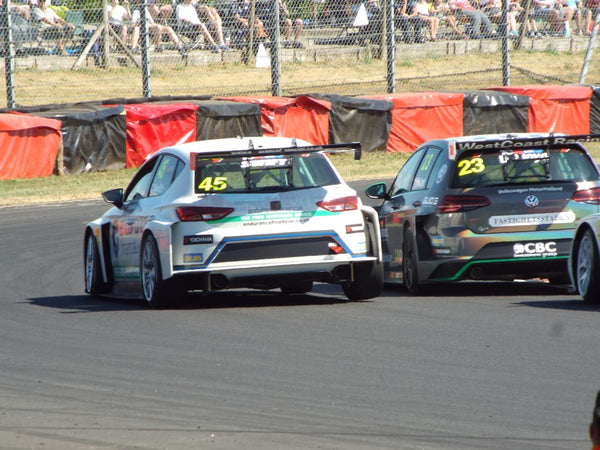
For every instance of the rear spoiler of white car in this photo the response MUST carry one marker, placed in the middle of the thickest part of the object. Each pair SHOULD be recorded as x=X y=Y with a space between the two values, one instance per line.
x=508 y=142
x=275 y=151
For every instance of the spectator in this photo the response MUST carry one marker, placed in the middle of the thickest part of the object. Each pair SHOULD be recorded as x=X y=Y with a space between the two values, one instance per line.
x=519 y=13
x=565 y=15
x=215 y=23
x=290 y=29
x=187 y=17
x=493 y=9
x=157 y=31
x=551 y=12
x=119 y=18
x=241 y=14
x=421 y=11
x=480 y=24
x=580 y=13
x=442 y=11
x=52 y=26
x=409 y=25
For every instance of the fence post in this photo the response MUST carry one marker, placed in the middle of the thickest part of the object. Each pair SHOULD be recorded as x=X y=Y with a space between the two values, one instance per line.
x=9 y=55
x=505 y=51
x=275 y=38
x=391 y=46
x=145 y=47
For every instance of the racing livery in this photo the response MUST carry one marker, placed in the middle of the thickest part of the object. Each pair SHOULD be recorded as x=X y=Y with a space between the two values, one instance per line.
x=258 y=212
x=487 y=207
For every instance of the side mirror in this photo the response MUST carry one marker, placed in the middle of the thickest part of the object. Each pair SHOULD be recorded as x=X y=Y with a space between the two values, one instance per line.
x=114 y=196
x=377 y=190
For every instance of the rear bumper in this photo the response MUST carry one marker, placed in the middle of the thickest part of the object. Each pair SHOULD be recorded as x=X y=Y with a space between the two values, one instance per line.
x=269 y=275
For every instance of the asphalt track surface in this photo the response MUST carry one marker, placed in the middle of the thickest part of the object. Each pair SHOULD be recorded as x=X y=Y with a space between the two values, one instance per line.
x=469 y=366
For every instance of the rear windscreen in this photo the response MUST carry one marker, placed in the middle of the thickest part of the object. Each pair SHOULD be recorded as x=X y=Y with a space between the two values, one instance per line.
x=264 y=173
x=476 y=168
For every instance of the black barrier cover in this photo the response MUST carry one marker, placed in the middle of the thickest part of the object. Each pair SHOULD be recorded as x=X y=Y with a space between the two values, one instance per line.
x=222 y=119
x=363 y=120
x=93 y=136
x=491 y=112
x=595 y=110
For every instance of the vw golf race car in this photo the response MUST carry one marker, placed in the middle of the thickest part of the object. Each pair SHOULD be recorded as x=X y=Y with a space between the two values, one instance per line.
x=488 y=207
x=257 y=212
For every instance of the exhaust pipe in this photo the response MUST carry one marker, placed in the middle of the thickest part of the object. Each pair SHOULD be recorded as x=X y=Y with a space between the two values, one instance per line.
x=218 y=281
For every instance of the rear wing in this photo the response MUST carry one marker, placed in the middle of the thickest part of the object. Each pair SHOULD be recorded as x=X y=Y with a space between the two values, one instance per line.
x=509 y=142
x=277 y=151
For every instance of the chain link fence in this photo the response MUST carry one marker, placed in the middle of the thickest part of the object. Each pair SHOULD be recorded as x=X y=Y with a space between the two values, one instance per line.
x=86 y=50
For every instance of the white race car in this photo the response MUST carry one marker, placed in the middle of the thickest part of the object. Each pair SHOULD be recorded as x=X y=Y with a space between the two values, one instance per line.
x=259 y=212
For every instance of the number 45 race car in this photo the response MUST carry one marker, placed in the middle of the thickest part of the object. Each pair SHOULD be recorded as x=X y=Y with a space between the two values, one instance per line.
x=259 y=213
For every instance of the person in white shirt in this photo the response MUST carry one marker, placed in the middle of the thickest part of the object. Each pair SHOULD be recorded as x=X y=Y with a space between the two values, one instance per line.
x=52 y=26
x=119 y=17
x=187 y=15
x=157 y=31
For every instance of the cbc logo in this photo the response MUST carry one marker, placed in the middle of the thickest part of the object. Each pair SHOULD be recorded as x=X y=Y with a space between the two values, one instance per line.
x=535 y=248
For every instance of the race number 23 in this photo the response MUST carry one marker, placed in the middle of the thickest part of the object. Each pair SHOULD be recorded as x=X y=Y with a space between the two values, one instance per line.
x=469 y=166
x=213 y=184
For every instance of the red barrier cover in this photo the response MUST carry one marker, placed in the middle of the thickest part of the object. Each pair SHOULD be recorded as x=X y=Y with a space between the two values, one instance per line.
x=152 y=126
x=28 y=146
x=420 y=117
x=301 y=117
x=560 y=109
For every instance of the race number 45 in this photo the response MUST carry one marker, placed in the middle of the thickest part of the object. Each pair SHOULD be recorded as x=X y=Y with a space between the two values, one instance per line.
x=213 y=184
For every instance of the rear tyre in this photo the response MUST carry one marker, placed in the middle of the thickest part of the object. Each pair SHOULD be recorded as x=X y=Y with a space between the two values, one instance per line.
x=94 y=285
x=410 y=269
x=153 y=286
x=368 y=282
x=586 y=268
x=299 y=287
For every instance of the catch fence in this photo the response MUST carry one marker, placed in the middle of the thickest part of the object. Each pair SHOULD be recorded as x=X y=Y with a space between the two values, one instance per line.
x=283 y=48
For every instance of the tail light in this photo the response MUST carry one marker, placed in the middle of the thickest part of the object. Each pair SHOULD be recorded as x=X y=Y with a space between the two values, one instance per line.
x=591 y=196
x=201 y=213
x=461 y=203
x=340 y=204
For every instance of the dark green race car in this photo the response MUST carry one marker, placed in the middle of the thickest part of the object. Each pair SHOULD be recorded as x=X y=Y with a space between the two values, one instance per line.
x=488 y=207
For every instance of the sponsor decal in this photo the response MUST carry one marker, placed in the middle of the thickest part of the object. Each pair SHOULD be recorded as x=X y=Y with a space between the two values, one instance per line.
x=272 y=218
x=114 y=236
x=532 y=219
x=521 y=155
x=442 y=251
x=532 y=201
x=198 y=239
x=358 y=228
x=530 y=189
x=193 y=258
x=535 y=249
x=441 y=173
x=431 y=200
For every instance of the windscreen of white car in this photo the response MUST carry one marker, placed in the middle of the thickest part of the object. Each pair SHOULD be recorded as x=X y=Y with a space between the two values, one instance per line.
x=272 y=173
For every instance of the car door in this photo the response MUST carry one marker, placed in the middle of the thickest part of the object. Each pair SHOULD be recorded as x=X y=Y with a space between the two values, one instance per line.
x=413 y=193
x=128 y=223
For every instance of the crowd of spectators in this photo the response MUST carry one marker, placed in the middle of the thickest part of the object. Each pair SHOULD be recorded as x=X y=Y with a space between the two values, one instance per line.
x=189 y=24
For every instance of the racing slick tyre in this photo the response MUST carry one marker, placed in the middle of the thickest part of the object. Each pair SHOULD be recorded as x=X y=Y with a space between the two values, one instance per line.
x=410 y=270
x=299 y=287
x=153 y=286
x=94 y=285
x=368 y=282
x=586 y=267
